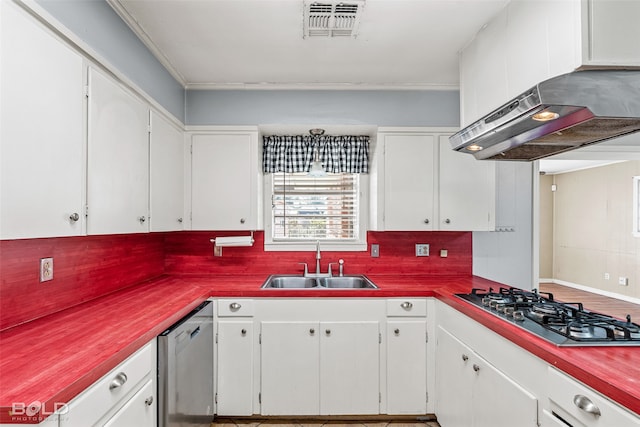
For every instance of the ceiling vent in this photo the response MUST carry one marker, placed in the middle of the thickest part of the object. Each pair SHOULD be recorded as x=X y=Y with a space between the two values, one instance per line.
x=332 y=19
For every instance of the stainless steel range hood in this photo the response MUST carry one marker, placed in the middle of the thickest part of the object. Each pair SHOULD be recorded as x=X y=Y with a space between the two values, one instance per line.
x=559 y=114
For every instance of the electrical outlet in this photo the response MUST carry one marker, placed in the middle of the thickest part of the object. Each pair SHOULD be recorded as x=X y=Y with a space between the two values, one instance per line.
x=46 y=269
x=444 y=253
x=623 y=281
x=375 y=250
x=422 y=249
x=606 y=276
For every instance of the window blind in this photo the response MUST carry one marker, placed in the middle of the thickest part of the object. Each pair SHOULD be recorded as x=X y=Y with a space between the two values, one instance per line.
x=315 y=208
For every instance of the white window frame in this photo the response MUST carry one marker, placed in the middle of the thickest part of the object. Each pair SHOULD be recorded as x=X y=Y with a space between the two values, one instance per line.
x=360 y=244
x=636 y=206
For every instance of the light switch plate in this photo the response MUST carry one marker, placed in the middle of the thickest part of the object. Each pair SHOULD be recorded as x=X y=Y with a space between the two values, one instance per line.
x=375 y=250
x=422 y=249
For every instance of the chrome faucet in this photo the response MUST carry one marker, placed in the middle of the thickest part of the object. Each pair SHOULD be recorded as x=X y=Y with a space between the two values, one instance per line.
x=318 y=273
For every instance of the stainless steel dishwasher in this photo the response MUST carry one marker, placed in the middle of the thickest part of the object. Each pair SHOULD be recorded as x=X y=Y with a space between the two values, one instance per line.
x=185 y=370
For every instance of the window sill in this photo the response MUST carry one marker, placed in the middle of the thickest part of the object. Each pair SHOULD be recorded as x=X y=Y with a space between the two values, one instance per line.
x=311 y=246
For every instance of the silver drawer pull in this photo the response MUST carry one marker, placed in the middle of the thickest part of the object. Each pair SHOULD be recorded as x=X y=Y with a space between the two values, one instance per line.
x=148 y=401
x=234 y=306
x=74 y=217
x=584 y=403
x=406 y=305
x=118 y=381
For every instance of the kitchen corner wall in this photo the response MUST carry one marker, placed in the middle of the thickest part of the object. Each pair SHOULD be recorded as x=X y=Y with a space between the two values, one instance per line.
x=88 y=267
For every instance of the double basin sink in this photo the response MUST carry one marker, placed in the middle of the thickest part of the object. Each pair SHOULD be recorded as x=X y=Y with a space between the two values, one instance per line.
x=283 y=281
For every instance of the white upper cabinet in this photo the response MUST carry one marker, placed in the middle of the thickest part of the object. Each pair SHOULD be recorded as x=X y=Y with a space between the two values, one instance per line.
x=467 y=191
x=428 y=186
x=224 y=180
x=42 y=144
x=118 y=159
x=166 y=196
x=409 y=180
x=532 y=41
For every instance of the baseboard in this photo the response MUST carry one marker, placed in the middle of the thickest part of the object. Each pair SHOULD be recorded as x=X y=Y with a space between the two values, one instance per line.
x=592 y=290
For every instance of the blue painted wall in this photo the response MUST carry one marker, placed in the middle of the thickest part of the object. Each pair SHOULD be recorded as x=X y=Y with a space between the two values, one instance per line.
x=101 y=28
x=371 y=107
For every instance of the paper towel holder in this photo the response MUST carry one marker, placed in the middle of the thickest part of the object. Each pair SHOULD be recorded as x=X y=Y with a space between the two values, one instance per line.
x=231 y=241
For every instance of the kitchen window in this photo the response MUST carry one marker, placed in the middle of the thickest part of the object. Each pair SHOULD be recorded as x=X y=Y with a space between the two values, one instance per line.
x=316 y=188
x=636 y=206
x=302 y=209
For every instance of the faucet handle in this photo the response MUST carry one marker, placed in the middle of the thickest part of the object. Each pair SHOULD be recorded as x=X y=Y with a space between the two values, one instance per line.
x=306 y=269
x=329 y=271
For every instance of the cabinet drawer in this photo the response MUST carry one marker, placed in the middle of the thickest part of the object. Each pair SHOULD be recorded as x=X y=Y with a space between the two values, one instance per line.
x=562 y=392
x=407 y=307
x=235 y=307
x=106 y=393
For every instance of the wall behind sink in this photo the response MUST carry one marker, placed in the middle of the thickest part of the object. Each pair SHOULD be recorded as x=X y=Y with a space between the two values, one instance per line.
x=191 y=253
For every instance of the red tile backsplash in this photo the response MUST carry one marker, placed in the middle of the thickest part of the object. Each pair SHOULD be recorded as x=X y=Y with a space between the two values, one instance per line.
x=91 y=266
x=191 y=252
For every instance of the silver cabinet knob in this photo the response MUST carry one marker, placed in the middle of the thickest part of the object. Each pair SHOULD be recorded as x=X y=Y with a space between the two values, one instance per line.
x=242 y=220
x=426 y=221
x=312 y=331
x=447 y=221
x=327 y=332
x=243 y=332
x=465 y=357
x=180 y=220
x=148 y=401
x=396 y=331
x=74 y=217
x=585 y=404
x=406 y=305
x=234 y=306
x=118 y=381
x=142 y=219
x=476 y=368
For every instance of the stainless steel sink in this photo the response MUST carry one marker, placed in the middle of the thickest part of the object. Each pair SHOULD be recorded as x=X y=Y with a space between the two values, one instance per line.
x=283 y=281
x=346 y=282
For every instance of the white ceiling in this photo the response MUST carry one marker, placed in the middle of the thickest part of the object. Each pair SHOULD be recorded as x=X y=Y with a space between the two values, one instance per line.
x=259 y=43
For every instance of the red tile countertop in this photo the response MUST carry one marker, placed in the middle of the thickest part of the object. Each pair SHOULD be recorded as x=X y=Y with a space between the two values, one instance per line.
x=54 y=358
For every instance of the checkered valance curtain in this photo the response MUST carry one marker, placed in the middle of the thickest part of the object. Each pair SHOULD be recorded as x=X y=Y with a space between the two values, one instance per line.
x=294 y=153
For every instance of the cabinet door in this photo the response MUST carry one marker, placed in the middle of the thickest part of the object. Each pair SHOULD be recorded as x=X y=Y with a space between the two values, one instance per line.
x=166 y=175
x=453 y=382
x=349 y=368
x=235 y=367
x=466 y=191
x=118 y=159
x=408 y=182
x=289 y=368
x=41 y=139
x=490 y=386
x=224 y=181
x=406 y=376
x=139 y=411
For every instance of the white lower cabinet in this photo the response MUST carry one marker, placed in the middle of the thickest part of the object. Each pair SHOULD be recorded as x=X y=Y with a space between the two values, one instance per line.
x=234 y=391
x=579 y=406
x=320 y=368
x=138 y=411
x=124 y=397
x=467 y=386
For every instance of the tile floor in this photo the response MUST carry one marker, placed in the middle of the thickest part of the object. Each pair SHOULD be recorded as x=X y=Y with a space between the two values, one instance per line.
x=371 y=422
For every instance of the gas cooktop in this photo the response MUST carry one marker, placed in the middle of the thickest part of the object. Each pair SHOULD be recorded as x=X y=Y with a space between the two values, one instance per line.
x=562 y=323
